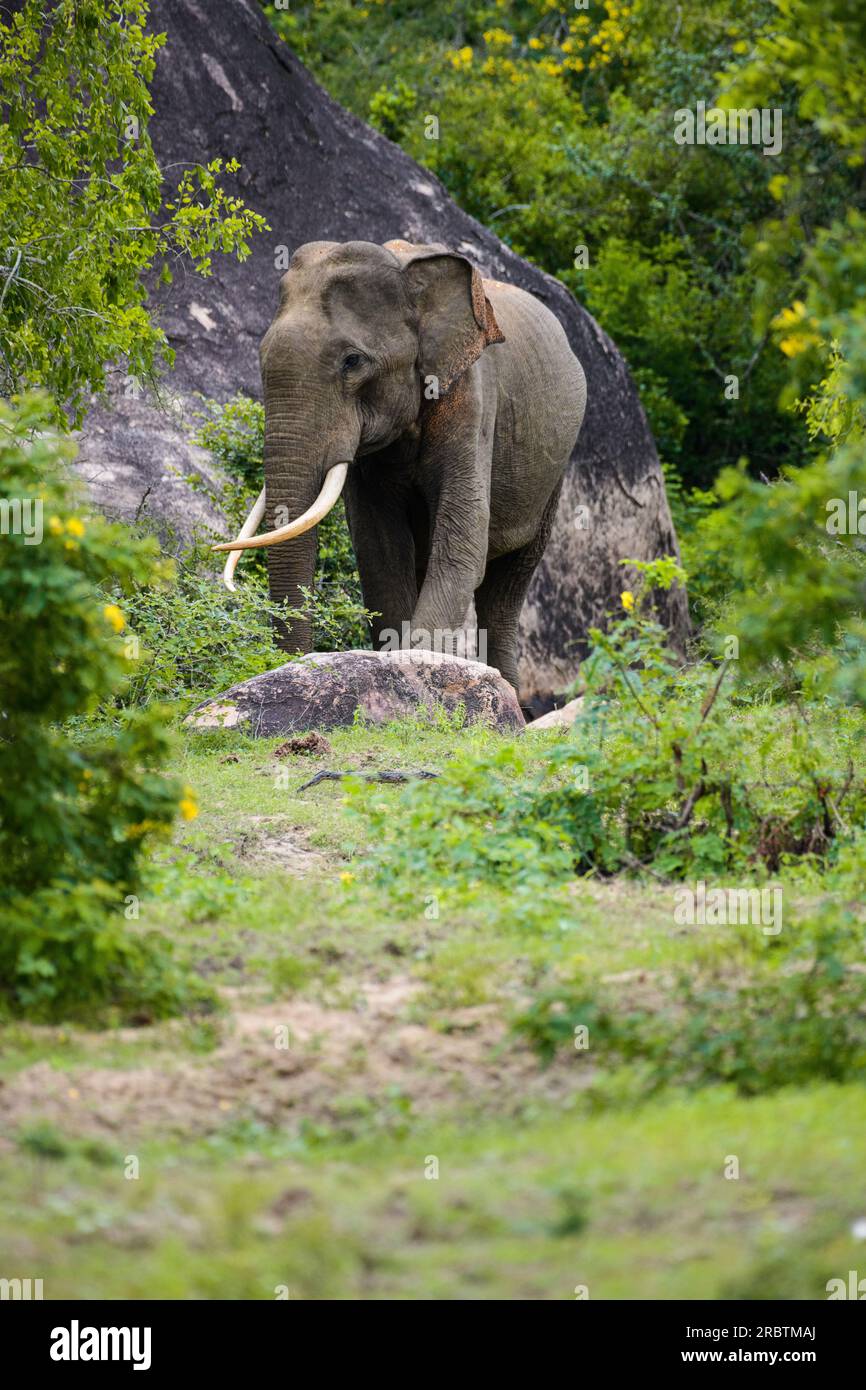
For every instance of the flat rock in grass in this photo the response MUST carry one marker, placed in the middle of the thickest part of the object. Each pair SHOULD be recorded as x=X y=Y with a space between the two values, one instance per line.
x=325 y=690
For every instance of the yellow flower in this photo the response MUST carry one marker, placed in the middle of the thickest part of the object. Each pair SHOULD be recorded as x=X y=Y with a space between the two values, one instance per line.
x=796 y=343
x=497 y=38
x=535 y=43
x=55 y=526
x=70 y=545
x=346 y=877
x=462 y=58
x=75 y=526
x=802 y=337
x=626 y=598
x=188 y=805
x=113 y=615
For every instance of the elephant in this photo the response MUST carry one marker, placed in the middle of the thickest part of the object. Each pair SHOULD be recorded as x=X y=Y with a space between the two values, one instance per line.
x=446 y=405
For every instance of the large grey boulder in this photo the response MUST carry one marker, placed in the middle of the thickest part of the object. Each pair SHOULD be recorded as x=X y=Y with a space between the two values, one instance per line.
x=227 y=86
x=326 y=690
x=136 y=459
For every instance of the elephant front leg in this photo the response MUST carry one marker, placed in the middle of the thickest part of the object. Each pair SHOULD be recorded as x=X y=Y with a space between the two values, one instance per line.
x=385 y=551
x=455 y=476
x=455 y=568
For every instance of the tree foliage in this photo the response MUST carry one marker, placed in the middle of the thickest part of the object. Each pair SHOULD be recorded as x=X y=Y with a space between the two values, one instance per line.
x=556 y=129
x=76 y=810
x=81 y=197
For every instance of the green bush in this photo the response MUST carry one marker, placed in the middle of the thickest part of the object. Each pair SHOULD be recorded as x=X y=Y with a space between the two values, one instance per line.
x=667 y=769
x=191 y=639
x=75 y=813
x=785 y=1023
x=797 y=569
x=189 y=636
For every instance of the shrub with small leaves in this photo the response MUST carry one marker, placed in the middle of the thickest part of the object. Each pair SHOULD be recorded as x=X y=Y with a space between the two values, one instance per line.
x=75 y=813
x=667 y=770
x=796 y=1015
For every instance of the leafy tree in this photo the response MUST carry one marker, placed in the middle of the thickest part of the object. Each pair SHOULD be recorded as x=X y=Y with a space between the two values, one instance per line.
x=798 y=549
x=80 y=199
x=555 y=129
x=75 y=811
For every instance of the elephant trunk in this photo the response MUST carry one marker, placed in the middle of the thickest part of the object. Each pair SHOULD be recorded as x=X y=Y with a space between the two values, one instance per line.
x=292 y=482
x=309 y=442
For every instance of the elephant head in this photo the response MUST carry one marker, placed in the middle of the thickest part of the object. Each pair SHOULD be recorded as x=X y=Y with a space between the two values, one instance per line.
x=358 y=331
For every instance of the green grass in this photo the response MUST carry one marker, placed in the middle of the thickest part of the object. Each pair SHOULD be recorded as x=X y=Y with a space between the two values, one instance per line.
x=303 y=1166
x=634 y=1205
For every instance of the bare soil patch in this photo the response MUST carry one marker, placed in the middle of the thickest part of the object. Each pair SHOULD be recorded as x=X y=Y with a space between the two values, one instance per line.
x=295 y=1059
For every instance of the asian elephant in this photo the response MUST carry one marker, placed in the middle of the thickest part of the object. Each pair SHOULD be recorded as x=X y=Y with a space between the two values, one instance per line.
x=448 y=407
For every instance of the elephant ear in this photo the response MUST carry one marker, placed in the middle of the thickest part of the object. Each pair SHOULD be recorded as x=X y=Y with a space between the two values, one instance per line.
x=455 y=318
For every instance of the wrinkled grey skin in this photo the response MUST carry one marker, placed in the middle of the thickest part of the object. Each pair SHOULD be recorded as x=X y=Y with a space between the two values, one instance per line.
x=446 y=498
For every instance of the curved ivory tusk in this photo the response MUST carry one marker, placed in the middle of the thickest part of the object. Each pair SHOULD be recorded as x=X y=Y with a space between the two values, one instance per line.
x=331 y=489
x=249 y=528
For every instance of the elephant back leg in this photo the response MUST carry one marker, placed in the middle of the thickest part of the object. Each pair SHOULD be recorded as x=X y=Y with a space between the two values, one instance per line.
x=500 y=597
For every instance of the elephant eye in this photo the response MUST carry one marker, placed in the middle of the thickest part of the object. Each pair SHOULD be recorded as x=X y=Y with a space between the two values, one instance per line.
x=351 y=361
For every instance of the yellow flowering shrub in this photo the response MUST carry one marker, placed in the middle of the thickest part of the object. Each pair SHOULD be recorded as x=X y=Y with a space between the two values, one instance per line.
x=75 y=811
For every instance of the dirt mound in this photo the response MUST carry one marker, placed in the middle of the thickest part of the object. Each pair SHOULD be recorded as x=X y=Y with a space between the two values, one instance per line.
x=297 y=1060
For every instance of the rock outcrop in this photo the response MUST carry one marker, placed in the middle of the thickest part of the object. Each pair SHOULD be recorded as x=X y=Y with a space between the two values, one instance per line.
x=229 y=87
x=326 y=690
x=561 y=718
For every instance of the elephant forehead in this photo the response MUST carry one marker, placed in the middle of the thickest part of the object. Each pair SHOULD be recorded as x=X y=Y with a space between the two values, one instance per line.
x=366 y=293
x=303 y=334
x=319 y=253
x=319 y=262
x=335 y=276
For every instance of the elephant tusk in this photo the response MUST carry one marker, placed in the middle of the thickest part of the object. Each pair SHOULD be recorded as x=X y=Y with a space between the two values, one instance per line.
x=249 y=528
x=331 y=489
